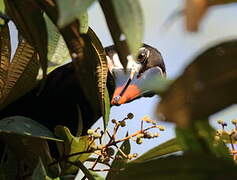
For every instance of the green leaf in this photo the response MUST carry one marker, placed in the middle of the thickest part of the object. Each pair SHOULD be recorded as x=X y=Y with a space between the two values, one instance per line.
x=23 y=126
x=106 y=109
x=200 y=139
x=83 y=19
x=21 y=74
x=31 y=25
x=87 y=173
x=185 y=167
x=39 y=172
x=2 y=6
x=201 y=91
x=165 y=148
x=72 y=145
x=70 y=10
x=117 y=165
x=96 y=176
x=158 y=85
x=92 y=74
x=124 y=18
x=57 y=49
x=8 y=168
x=5 y=56
x=27 y=140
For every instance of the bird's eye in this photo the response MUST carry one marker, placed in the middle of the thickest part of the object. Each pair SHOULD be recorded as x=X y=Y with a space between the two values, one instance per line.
x=143 y=56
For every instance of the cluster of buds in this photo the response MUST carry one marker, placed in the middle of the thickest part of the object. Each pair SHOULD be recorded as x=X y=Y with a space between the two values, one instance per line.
x=229 y=137
x=106 y=152
x=144 y=134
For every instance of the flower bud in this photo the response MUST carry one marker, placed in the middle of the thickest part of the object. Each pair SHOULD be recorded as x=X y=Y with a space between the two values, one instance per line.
x=130 y=116
x=161 y=128
x=122 y=123
x=147 y=119
x=135 y=155
x=90 y=131
x=113 y=121
x=110 y=151
x=139 y=141
x=96 y=135
x=156 y=134
x=140 y=135
x=220 y=121
x=234 y=121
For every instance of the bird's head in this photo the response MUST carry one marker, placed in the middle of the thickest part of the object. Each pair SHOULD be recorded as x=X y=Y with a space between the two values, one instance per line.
x=147 y=65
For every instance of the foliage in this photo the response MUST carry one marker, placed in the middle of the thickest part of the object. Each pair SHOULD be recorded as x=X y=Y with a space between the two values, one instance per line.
x=52 y=32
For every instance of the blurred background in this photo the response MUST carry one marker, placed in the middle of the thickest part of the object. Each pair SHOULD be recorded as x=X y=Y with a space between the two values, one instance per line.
x=178 y=48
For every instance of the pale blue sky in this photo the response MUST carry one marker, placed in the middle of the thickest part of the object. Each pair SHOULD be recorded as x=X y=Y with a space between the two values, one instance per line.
x=177 y=47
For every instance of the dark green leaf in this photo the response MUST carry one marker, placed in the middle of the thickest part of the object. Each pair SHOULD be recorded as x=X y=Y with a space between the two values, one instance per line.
x=39 y=172
x=124 y=18
x=72 y=145
x=102 y=70
x=87 y=173
x=27 y=140
x=200 y=139
x=5 y=55
x=8 y=167
x=207 y=85
x=31 y=24
x=69 y=10
x=23 y=126
x=21 y=74
x=92 y=74
x=195 y=167
x=165 y=148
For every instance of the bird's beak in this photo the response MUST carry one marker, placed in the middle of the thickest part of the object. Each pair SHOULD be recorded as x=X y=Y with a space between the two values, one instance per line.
x=129 y=85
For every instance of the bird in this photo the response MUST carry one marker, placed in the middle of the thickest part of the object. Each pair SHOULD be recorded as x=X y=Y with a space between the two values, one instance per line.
x=62 y=95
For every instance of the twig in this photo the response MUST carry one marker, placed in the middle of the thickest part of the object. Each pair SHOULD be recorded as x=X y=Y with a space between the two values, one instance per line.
x=96 y=161
x=100 y=170
x=99 y=161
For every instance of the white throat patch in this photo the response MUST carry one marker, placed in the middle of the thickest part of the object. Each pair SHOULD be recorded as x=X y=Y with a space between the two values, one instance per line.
x=115 y=63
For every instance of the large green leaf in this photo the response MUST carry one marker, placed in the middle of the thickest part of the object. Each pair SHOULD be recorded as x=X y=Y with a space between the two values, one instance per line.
x=165 y=148
x=40 y=172
x=70 y=10
x=21 y=74
x=200 y=139
x=5 y=56
x=31 y=24
x=118 y=164
x=8 y=167
x=158 y=85
x=96 y=176
x=57 y=48
x=72 y=145
x=124 y=18
x=27 y=140
x=195 y=167
x=2 y=6
x=102 y=71
x=23 y=126
x=206 y=86
x=92 y=74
